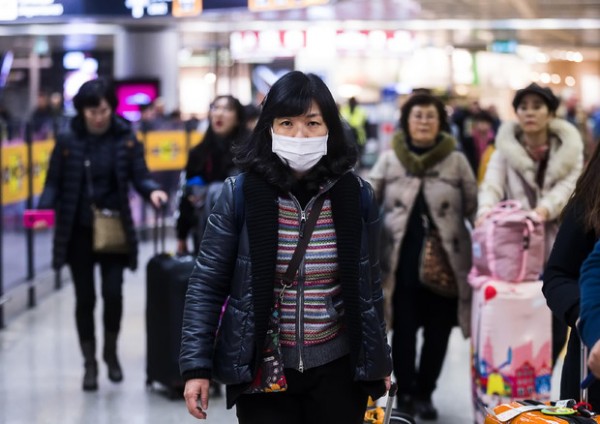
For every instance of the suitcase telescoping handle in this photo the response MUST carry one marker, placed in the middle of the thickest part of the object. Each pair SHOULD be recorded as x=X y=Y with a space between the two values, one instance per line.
x=390 y=403
x=160 y=226
x=587 y=378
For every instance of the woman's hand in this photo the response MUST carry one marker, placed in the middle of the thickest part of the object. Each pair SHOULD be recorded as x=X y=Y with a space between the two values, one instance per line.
x=594 y=359
x=158 y=197
x=388 y=383
x=542 y=212
x=196 y=397
x=181 y=247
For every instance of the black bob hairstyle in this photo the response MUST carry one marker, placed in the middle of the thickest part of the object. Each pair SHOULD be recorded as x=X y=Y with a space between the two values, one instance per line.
x=423 y=99
x=292 y=95
x=92 y=92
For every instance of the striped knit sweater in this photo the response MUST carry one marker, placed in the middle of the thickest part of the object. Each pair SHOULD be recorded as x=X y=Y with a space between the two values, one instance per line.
x=316 y=291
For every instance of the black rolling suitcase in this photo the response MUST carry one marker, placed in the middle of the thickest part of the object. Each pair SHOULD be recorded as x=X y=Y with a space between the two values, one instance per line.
x=166 y=286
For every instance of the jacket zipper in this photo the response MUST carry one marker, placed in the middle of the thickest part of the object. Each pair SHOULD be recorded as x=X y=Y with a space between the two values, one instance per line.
x=300 y=320
x=301 y=275
x=302 y=223
x=300 y=286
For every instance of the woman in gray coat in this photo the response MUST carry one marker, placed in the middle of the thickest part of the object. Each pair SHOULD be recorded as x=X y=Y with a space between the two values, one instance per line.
x=423 y=176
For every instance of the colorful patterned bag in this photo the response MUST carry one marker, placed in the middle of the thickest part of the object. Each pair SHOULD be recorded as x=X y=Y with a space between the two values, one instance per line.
x=270 y=376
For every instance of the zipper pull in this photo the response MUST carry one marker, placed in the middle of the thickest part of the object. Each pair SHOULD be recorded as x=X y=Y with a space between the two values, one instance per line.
x=301 y=365
x=302 y=222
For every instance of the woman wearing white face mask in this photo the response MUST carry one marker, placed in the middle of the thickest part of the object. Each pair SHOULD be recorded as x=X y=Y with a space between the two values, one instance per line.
x=310 y=322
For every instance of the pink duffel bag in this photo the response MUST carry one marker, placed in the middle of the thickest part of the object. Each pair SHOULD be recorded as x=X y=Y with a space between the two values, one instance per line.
x=509 y=244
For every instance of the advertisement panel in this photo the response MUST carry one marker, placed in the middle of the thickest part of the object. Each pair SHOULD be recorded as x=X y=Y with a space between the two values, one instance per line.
x=166 y=150
x=14 y=173
x=41 y=159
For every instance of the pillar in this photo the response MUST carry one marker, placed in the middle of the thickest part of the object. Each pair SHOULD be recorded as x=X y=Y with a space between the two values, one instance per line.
x=150 y=53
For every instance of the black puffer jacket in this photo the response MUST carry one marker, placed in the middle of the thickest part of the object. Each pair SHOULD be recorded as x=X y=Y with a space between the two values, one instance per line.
x=240 y=263
x=64 y=183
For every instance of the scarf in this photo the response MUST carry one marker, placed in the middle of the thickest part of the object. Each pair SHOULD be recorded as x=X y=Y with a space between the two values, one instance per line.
x=417 y=164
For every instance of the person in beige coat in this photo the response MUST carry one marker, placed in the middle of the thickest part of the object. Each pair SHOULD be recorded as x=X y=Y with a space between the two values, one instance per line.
x=537 y=161
x=423 y=175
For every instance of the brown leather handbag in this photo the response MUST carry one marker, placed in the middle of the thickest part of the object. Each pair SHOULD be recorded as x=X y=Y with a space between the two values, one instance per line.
x=109 y=233
x=435 y=271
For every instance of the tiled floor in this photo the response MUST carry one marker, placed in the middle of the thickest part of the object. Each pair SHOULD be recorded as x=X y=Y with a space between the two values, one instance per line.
x=41 y=370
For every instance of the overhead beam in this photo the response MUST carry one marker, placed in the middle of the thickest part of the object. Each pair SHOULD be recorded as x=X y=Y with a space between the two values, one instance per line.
x=524 y=8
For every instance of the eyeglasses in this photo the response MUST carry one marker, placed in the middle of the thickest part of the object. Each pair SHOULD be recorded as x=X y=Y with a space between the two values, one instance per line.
x=426 y=118
x=221 y=108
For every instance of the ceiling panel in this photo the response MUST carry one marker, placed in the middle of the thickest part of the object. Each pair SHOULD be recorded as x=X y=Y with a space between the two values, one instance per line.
x=555 y=23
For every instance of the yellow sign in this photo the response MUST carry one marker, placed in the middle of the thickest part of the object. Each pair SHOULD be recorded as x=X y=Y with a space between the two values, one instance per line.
x=41 y=159
x=196 y=138
x=14 y=173
x=186 y=8
x=262 y=5
x=166 y=150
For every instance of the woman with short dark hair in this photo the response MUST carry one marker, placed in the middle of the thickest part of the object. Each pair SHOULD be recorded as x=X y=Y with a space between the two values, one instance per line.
x=93 y=165
x=289 y=346
x=423 y=182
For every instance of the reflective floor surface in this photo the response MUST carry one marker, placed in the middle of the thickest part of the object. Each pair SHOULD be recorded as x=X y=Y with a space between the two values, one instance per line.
x=41 y=371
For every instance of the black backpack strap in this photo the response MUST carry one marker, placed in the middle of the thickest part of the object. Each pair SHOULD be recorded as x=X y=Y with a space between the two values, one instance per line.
x=365 y=199
x=238 y=200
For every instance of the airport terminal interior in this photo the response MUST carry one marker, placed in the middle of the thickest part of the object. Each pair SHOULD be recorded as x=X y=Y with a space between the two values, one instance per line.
x=168 y=60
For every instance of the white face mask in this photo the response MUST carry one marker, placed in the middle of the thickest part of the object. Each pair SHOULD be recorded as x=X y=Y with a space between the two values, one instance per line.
x=300 y=153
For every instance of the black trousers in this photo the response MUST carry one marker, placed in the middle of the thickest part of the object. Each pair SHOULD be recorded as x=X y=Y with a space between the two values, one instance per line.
x=571 y=374
x=82 y=260
x=559 y=337
x=325 y=394
x=415 y=308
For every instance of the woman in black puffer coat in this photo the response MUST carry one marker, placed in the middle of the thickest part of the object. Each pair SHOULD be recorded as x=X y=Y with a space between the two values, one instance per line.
x=330 y=325
x=116 y=160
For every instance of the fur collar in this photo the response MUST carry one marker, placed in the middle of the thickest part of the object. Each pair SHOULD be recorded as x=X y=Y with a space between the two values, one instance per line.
x=417 y=164
x=566 y=147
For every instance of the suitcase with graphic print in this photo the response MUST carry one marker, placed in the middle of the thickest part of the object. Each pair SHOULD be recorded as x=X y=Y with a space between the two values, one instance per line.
x=511 y=344
x=565 y=411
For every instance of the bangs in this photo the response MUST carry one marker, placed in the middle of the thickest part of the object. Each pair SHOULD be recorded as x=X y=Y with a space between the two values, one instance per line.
x=293 y=105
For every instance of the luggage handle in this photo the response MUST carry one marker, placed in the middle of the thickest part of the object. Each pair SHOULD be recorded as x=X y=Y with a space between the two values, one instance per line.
x=587 y=378
x=506 y=207
x=390 y=403
x=160 y=226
